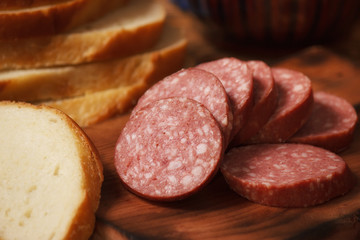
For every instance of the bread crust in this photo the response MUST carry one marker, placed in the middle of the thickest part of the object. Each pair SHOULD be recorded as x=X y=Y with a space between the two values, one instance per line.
x=84 y=220
x=82 y=225
x=54 y=18
x=115 y=35
x=94 y=107
x=18 y=4
x=76 y=80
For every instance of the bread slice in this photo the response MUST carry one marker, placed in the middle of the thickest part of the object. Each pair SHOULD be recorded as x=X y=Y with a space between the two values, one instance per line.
x=53 y=18
x=109 y=92
x=75 y=80
x=130 y=29
x=51 y=175
x=18 y=4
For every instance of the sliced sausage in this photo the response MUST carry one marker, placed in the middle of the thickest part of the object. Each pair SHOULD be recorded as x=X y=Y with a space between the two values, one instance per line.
x=286 y=175
x=199 y=85
x=295 y=100
x=236 y=77
x=331 y=124
x=265 y=102
x=169 y=149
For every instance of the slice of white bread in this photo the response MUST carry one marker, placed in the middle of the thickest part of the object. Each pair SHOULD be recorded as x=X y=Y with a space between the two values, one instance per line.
x=53 y=18
x=130 y=29
x=117 y=90
x=76 y=80
x=51 y=175
x=16 y=4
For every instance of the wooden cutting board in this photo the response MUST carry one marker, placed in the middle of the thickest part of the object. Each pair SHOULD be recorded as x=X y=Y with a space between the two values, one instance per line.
x=217 y=212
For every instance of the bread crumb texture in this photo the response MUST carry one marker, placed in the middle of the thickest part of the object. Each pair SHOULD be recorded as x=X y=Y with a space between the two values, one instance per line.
x=44 y=180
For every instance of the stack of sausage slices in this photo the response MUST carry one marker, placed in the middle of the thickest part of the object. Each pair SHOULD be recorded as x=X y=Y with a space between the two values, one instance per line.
x=273 y=138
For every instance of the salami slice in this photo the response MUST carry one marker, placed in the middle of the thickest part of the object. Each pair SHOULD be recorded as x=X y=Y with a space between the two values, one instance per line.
x=237 y=80
x=199 y=85
x=169 y=149
x=286 y=175
x=295 y=101
x=265 y=102
x=331 y=124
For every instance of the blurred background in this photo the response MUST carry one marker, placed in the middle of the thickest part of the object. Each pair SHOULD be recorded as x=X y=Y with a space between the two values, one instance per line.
x=277 y=27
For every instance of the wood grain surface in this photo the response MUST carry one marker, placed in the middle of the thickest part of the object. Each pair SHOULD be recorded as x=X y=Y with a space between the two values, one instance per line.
x=217 y=212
